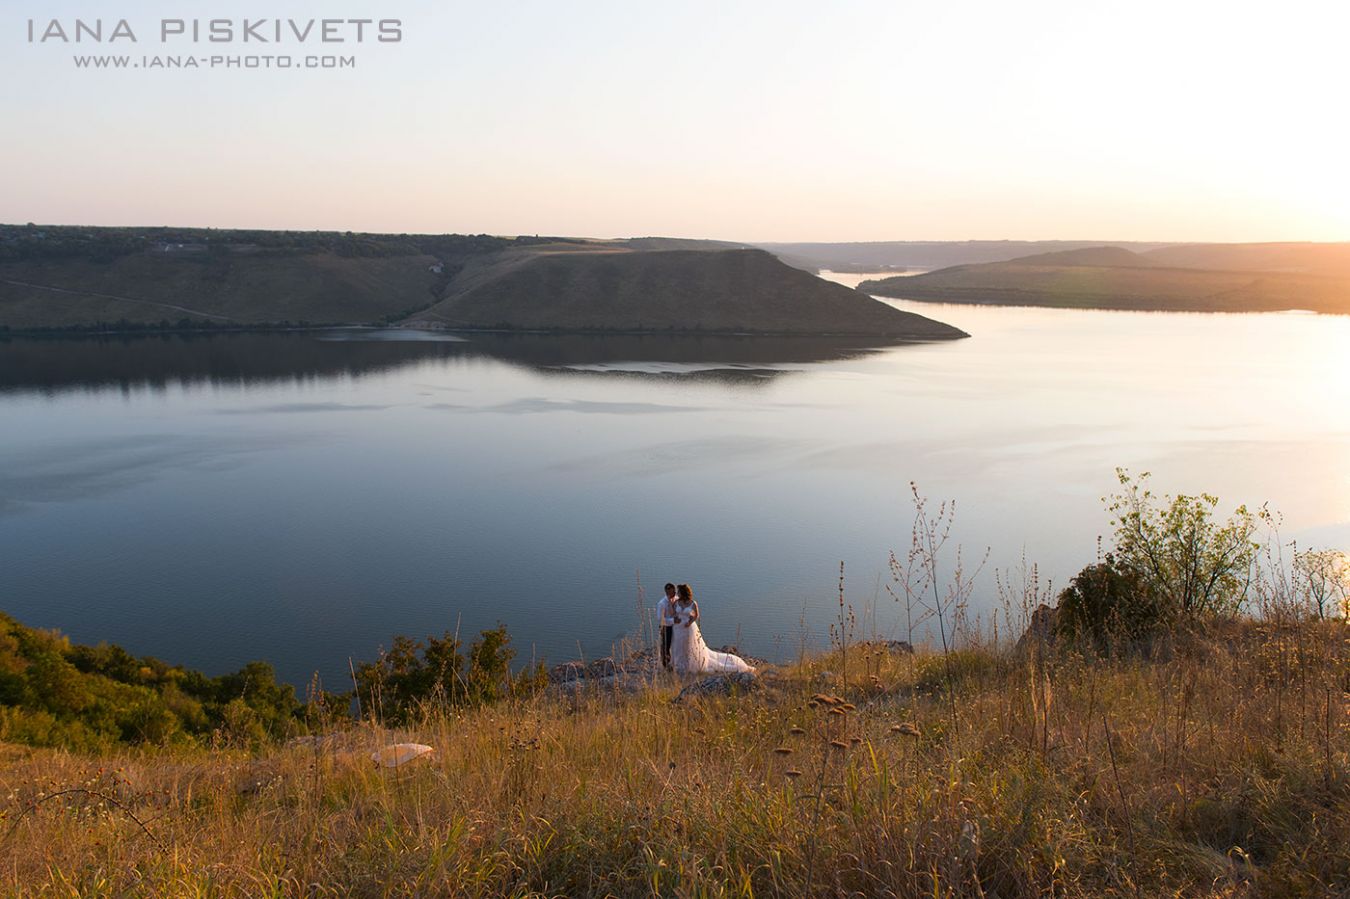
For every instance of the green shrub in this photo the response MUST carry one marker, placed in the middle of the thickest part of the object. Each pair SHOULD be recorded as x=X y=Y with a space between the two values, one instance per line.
x=1191 y=564
x=53 y=693
x=415 y=674
x=1106 y=602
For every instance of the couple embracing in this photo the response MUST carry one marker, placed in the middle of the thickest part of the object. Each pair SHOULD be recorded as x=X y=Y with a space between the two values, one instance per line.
x=682 y=646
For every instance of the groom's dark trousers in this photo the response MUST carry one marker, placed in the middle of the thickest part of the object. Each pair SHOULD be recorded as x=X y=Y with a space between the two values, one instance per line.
x=665 y=646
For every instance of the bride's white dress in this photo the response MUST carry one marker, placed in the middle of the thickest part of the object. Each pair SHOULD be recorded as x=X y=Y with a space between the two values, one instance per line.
x=690 y=655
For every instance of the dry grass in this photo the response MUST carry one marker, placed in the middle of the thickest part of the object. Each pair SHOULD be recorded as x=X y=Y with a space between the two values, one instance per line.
x=1227 y=773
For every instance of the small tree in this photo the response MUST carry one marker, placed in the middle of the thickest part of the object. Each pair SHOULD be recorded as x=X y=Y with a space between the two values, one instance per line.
x=1323 y=576
x=1193 y=565
x=414 y=674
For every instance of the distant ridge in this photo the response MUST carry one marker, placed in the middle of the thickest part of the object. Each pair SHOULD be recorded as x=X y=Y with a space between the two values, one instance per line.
x=1091 y=256
x=891 y=255
x=706 y=291
x=1115 y=278
x=882 y=256
x=1306 y=258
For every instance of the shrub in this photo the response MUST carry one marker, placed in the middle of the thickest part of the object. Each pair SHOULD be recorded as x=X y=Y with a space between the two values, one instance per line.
x=1191 y=564
x=1106 y=601
x=1323 y=580
x=414 y=674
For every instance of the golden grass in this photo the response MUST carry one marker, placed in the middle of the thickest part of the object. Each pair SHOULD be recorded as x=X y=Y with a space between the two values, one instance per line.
x=1227 y=773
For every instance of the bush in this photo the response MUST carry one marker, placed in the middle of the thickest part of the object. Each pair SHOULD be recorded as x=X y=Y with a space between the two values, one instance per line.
x=415 y=674
x=54 y=693
x=1323 y=582
x=1106 y=602
x=1191 y=565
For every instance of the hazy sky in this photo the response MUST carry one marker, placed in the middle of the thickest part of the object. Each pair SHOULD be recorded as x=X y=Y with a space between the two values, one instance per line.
x=882 y=120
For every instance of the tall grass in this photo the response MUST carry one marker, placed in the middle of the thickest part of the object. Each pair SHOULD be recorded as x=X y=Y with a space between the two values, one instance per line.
x=1220 y=766
x=1212 y=759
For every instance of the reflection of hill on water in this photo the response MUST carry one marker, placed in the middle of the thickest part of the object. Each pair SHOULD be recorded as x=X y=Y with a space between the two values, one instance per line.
x=721 y=358
x=158 y=361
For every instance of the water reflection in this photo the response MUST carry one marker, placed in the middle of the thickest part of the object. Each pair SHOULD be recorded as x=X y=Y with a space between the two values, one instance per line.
x=156 y=362
x=345 y=487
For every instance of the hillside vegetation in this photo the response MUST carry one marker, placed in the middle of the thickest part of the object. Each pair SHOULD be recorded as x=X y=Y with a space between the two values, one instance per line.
x=124 y=278
x=95 y=279
x=1306 y=258
x=1115 y=278
x=1176 y=726
x=732 y=291
x=91 y=698
x=1220 y=766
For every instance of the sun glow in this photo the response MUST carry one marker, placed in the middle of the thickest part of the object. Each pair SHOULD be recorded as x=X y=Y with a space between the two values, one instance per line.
x=1196 y=121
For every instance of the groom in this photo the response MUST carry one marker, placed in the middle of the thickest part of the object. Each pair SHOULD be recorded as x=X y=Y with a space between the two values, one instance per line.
x=665 y=612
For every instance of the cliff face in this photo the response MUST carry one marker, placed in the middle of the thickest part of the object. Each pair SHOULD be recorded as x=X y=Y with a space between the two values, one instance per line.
x=728 y=291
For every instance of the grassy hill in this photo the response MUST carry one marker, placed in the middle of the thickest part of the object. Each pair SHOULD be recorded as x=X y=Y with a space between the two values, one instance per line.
x=1113 y=278
x=1307 y=258
x=886 y=255
x=127 y=278
x=1096 y=257
x=1175 y=726
x=1219 y=767
x=78 y=277
x=224 y=289
x=731 y=291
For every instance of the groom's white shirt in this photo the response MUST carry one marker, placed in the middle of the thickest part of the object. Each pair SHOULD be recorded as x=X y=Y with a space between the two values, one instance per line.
x=665 y=610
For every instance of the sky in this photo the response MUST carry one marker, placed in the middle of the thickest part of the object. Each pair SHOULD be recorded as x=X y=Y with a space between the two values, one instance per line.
x=858 y=120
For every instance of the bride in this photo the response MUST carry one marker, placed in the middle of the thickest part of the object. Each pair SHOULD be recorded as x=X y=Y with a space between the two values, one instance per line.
x=688 y=653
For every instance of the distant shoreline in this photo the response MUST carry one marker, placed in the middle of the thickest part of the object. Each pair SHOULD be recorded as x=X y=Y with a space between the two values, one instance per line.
x=1114 y=278
x=1022 y=302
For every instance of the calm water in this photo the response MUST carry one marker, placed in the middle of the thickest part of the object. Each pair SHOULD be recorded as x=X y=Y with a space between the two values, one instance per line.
x=301 y=497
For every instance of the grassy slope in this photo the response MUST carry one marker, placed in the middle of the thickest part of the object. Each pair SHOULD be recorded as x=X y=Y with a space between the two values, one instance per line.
x=1312 y=258
x=596 y=286
x=1122 y=287
x=1220 y=769
x=728 y=291
x=225 y=288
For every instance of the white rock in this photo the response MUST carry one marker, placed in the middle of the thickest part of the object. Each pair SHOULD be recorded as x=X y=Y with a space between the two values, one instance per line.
x=400 y=754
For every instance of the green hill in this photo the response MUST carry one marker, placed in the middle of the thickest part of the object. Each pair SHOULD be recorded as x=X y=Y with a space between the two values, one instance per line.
x=1217 y=767
x=78 y=277
x=1308 y=258
x=1112 y=278
x=729 y=291
x=890 y=255
x=1099 y=257
x=129 y=278
x=224 y=289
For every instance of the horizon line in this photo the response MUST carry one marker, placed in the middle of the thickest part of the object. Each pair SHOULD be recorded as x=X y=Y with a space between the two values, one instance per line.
x=649 y=236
